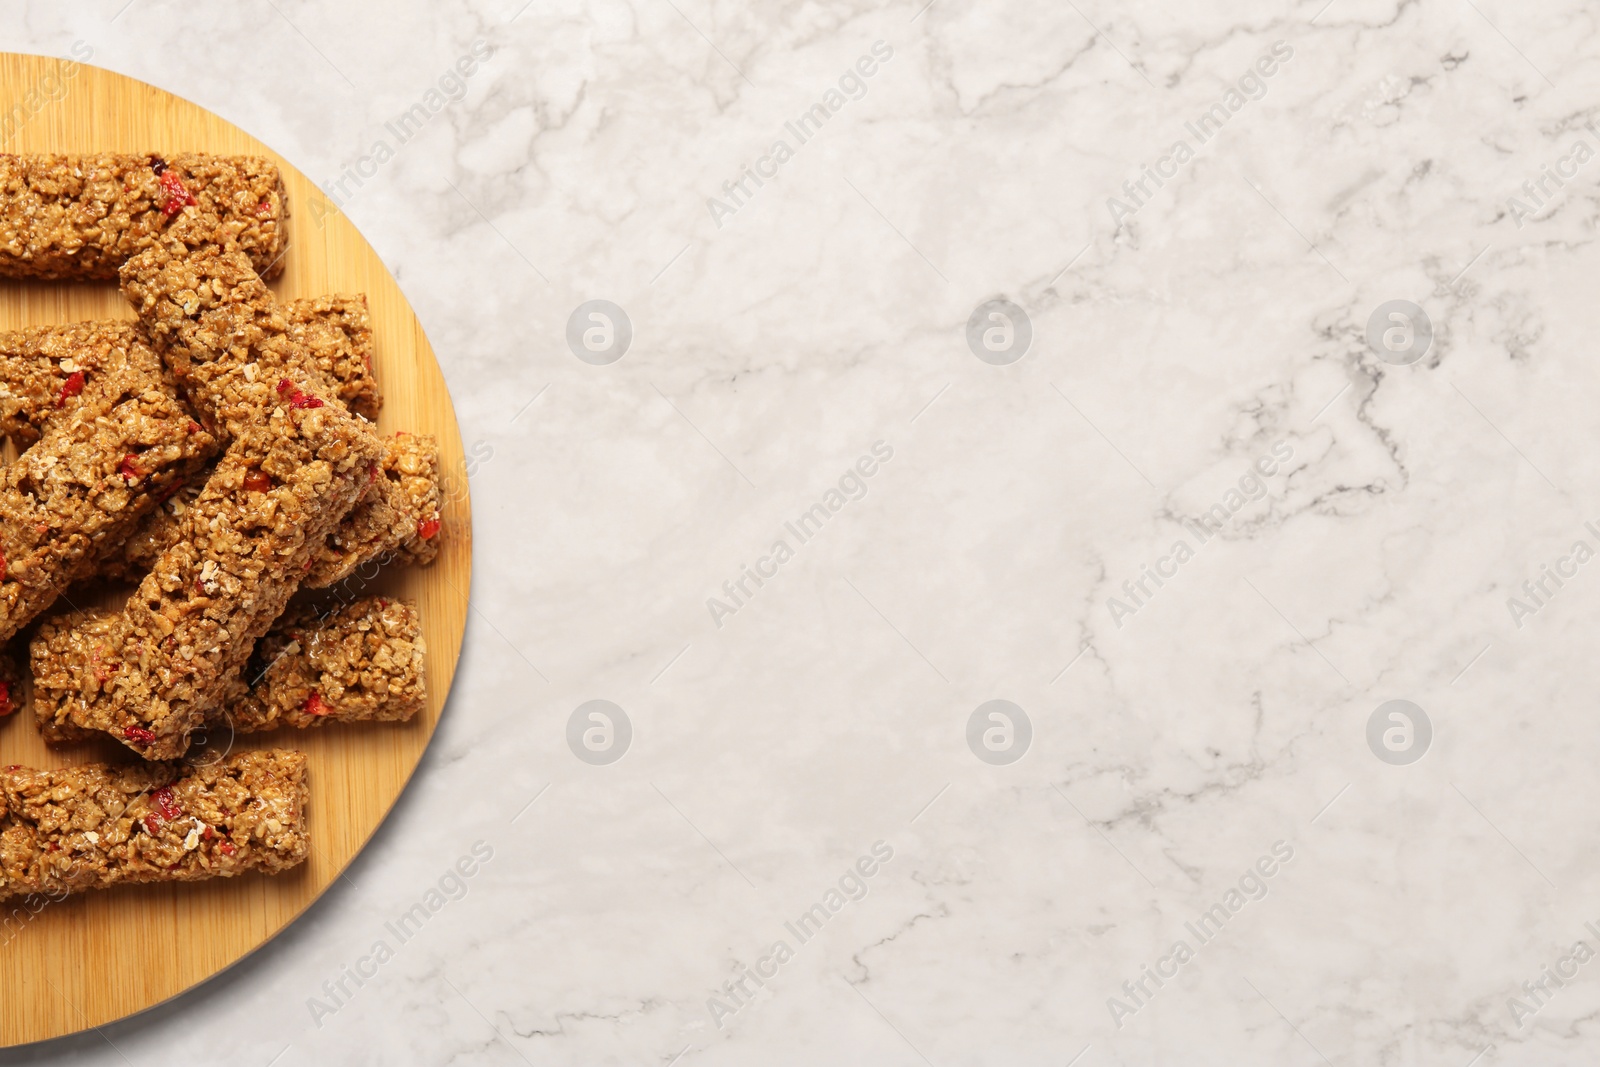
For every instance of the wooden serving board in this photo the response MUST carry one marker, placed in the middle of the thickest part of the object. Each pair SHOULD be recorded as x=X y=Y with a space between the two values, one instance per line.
x=97 y=957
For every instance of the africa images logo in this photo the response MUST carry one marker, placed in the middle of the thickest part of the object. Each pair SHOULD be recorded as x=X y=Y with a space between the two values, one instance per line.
x=852 y=85
x=1251 y=85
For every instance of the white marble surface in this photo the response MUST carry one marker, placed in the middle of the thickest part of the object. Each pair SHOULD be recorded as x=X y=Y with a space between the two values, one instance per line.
x=1224 y=317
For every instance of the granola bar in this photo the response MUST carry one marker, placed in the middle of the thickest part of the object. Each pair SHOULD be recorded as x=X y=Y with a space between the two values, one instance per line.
x=230 y=344
x=68 y=503
x=242 y=549
x=62 y=650
x=77 y=218
x=362 y=663
x=155 y=533
x=296 y=465
x=398 y=518
x=337 y=332
x=100 y=825
x=46 y=370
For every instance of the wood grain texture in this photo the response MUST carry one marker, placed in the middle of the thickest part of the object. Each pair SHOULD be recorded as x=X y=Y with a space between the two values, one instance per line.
x=98 y=957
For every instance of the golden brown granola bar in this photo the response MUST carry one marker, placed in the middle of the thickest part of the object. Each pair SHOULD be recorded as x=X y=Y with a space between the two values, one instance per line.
x=101 y=825
x=363 y=662
x=243 y=548
x=398 y=518
x=65 y=649
x=155 y=533
x=230 y=344
x=80 y=218
x=337 y=331
x=70 y=501
x=295 y=466
x=46 y=370
x=360 y=663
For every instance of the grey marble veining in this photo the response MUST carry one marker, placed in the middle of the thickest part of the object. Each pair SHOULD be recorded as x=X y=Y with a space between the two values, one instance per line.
x=1200 y=858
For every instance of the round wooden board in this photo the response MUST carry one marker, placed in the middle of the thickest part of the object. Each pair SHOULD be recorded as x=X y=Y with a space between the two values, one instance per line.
x=98 y=957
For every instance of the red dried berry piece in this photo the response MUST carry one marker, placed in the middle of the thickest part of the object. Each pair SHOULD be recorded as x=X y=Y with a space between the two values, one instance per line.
x=194 y=427
x=428 y=529
x=6 y=707
x=101 y=671
x=54 y=847
x=2 y=565
x=207 y=834
x=314 y=704
x=70 y=388
x=298 y=398
x=177 y=194
x=129 y=468
x=158 y=165
x=138 y=735
x=166 y=803
x=152 y=824
x=257 y=482
x=226 y=848
x=263 y=209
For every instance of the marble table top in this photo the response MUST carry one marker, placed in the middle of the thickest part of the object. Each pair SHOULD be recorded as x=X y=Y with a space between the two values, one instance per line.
x=1005 y=533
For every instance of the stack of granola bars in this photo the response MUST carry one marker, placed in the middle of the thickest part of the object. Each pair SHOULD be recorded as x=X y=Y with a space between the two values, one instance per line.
x=219 y=453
